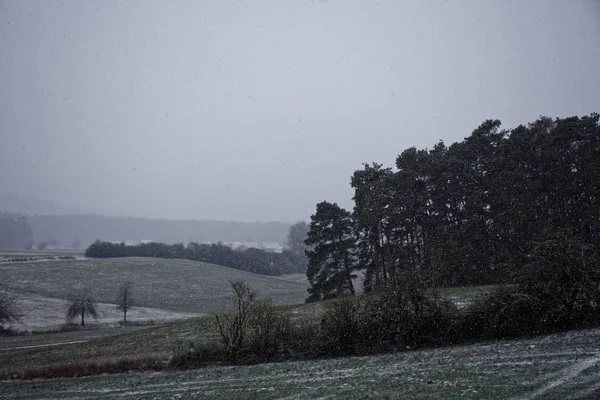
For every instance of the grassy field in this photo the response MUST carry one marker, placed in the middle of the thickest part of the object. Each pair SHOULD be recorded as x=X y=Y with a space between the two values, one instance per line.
x=176 y=285
x=163 y=290
x=42 y=350
x=561 y=366
x=47 y=314
x=39 y=253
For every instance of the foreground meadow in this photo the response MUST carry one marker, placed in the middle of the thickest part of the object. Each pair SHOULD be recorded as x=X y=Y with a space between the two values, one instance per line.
x=559 y=366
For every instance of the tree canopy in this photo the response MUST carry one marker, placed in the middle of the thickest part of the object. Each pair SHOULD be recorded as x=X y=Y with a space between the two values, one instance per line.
x=15 y=232
x=472 y=212
x=252 y=260
x=331 y=259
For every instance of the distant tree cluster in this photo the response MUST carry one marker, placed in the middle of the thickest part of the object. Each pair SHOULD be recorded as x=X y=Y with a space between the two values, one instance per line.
x=251 y=260
x=15 y=232
x=470 y=213
x=295 y=243
x=87 y=228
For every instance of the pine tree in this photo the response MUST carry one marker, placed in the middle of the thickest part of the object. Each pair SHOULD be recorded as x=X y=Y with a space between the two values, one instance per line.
x=331 y=256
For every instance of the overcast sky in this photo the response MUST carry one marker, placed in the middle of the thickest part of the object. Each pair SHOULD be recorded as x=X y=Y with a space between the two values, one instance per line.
x=258 y=110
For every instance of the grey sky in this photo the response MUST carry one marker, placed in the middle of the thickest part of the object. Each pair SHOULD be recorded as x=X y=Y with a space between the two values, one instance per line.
x=257 y=110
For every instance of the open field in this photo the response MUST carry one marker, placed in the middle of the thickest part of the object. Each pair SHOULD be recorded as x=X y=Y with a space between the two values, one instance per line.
x=45 y=313
x=176 y=285
x=39 y=253
x=556 y=366
x=561 y=366
x=9 y=256
x=163 y=290
x=157 y=341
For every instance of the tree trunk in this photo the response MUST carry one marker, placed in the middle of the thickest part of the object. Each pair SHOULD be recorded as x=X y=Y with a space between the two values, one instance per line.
x=125 y=316
x=82 y=318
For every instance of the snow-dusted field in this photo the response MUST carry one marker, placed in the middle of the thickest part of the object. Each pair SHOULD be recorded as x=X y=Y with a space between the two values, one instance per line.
x=178 y=285
x=44 y=313
x=561 y=366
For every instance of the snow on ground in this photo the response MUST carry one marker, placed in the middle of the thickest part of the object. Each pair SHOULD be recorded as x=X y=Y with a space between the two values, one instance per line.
x=559 y=366
x=45 y=313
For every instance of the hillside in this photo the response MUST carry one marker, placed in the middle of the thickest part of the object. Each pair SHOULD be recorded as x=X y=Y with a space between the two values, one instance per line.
x=177 y=285
x=558 y=366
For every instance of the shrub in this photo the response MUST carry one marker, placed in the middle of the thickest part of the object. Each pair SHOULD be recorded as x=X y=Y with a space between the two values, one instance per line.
x=558 y=289
x=341 y=326
x=407 y=316
x=269 y=331
x=505 y=313
x=193 y=355
x=401 y=316
x=563 y=275
x=253 y=330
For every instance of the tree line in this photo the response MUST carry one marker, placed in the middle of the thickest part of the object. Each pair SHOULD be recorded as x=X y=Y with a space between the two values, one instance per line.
x=470 y=213
x=15 y=232
x=556 y=291
x=251 y=260
x=87 y=228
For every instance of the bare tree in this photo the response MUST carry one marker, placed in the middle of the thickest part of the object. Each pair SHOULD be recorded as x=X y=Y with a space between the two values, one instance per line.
x=81 y=303
x=253 y=327
x=9 y=312
x=233 y=326
x=124 y=299
x=297 y=235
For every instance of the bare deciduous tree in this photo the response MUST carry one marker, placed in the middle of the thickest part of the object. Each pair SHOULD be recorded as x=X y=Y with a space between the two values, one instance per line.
x=233 y=326
x=253 y=327
x=9 y=312
x=124 y=299
x=81 y=303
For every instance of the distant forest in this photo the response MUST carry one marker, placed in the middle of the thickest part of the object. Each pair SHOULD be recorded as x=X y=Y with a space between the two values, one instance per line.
x=83 y=230
x=470 y=213
x=251 y=260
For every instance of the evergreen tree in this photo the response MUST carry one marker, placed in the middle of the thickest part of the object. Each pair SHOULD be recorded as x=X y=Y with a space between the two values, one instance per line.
x=330 y=256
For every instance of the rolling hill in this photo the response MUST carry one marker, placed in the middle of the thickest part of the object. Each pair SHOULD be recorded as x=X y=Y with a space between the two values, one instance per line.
x=177 y=285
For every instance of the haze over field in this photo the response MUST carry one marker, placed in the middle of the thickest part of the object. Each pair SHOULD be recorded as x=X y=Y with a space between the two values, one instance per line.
x=256 y=111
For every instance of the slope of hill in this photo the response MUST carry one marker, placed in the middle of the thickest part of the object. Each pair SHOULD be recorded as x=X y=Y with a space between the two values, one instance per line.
x=176 y=285
x=558 y=366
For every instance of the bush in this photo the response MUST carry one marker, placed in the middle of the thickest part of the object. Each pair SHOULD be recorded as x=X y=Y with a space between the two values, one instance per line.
x=402 y=316
x=505 y=313
x=407 y=316
x=254 y=330
x=341 y=327
x=564 y=275
x=558 y=289
x=269 y=331
x=193 y=355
